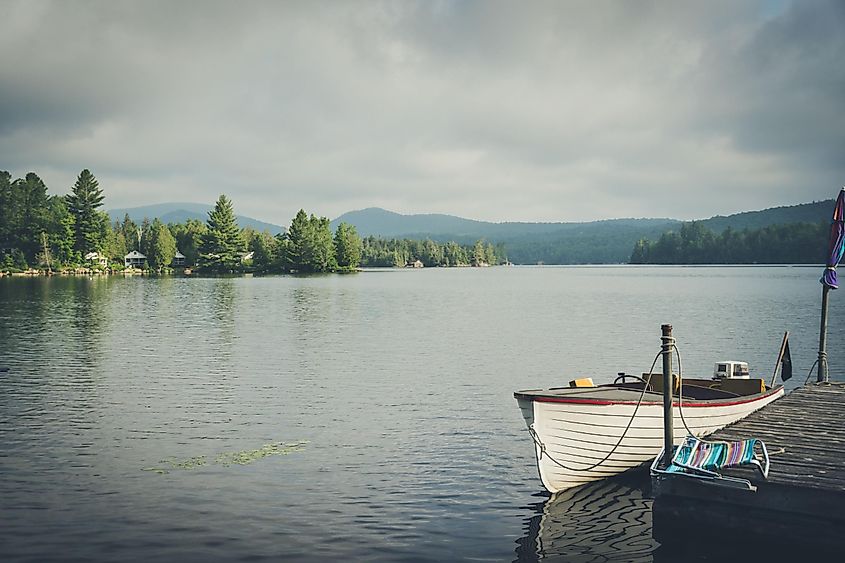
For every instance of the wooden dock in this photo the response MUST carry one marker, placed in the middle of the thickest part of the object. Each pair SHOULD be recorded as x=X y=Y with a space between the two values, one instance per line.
x=800 y=506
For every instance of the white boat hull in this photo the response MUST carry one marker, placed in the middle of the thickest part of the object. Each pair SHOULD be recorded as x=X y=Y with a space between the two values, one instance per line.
x=572 y=435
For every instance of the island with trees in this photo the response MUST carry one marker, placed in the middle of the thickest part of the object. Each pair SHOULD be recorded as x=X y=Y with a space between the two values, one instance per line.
x=43 y=233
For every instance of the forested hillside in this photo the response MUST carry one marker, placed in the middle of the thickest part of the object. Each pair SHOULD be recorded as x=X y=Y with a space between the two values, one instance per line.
x=795 y=243
x=802 y=213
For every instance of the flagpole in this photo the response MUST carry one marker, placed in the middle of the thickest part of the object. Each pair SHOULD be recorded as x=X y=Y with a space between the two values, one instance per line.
x=822 y=373
x=780 y=357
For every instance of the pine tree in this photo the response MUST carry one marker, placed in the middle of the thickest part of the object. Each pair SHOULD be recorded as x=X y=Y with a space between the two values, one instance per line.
x=299 y=239
x=478 y=253
x=162 y=246
x=189 y=237
x=222 y=243
x=262 y=247
x=61 y=234
x=347 y=245
x=324 y=256
x=83 y=202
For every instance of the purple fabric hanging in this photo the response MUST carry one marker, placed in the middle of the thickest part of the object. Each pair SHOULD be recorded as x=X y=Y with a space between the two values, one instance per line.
x=837 y=242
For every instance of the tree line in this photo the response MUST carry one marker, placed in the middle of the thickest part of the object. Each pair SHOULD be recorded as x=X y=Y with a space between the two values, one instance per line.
x=39 y=230
x=794 y=243
x=379 y=252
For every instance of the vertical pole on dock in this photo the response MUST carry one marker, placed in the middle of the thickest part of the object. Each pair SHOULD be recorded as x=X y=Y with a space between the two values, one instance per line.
x=667 y=342
x=822 y=373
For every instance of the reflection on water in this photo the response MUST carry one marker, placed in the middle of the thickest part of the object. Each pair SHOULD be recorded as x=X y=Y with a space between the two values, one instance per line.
x=401 y=382
x=605 y=521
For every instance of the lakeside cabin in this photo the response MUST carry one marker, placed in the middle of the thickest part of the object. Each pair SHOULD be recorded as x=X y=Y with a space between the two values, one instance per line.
x=179 y=260
x=414 y=264
x=97 y=259
x=134 y=260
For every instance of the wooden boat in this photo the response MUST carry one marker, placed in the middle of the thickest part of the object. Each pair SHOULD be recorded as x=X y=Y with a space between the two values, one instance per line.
x=584 y=433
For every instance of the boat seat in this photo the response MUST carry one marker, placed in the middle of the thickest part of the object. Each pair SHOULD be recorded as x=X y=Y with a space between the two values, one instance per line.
x=743 y=387
x=583 y=382
x=701 y=459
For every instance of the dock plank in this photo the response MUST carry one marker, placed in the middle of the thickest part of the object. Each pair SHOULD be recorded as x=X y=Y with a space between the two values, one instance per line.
x=805 y=490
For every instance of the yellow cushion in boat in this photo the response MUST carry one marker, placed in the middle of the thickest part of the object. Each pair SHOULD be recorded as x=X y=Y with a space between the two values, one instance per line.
x=583 y=382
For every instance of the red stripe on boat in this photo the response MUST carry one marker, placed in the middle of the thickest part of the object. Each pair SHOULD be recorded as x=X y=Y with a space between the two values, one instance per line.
x=674 y=404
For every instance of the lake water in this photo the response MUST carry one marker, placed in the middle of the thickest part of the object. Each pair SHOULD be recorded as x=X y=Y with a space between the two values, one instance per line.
x=123 y=393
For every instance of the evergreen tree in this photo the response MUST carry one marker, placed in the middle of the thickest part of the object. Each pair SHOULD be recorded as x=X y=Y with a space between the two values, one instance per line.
x=323 y=252
x=84 y=200
x=478 y=253
x=144 y=235
x=309 y=247
x=490 y=255
x=455 y=254
x=130 y=234
x=61 y=237
x=162 y=246
x=7 y=211
x=430 y=254
x=222 y=245
x=188 y=237
x=33 y=214
x=299 y=239
x=347 y=245
x=115 y=246
x=262 y=247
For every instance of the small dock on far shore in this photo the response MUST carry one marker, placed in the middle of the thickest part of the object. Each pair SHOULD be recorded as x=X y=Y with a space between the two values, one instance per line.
x=800 y=505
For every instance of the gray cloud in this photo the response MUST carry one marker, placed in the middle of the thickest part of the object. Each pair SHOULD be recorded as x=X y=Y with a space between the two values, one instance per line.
x=490 y=110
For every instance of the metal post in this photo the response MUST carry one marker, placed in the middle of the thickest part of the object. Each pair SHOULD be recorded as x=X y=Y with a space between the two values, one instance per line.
x=822 y=373
x=667 y=343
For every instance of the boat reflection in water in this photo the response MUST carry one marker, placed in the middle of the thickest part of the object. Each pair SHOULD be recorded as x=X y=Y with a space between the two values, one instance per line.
x=607 y=520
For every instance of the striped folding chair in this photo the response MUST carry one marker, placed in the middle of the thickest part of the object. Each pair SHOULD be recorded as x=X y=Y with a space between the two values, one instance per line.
x=703 y=460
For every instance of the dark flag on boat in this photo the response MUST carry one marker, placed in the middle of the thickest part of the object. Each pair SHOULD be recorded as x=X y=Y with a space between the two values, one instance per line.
x=786 y=362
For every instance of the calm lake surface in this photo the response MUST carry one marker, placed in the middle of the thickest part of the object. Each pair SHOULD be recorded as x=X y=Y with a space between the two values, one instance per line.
x=123 y=393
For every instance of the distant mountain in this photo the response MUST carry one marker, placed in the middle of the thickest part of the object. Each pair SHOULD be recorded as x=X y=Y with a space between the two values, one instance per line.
x=375 y=221
x=596 y=242
x=181 y=212
x=525 y=243
x=802 y=213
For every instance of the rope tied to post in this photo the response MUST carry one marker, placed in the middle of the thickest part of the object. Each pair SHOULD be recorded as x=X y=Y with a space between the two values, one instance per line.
x=541 y=447
x=669 y=342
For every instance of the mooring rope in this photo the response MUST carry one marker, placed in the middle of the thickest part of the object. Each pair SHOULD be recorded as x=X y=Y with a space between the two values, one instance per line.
x=812 y=367
x=671 y=342
x=542 y=447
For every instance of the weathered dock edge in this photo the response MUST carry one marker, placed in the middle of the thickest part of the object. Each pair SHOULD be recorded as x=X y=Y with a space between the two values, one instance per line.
x=800 y=505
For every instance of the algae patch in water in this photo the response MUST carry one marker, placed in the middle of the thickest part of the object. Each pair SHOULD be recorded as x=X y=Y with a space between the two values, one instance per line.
x=246 y=457
x=243 y=457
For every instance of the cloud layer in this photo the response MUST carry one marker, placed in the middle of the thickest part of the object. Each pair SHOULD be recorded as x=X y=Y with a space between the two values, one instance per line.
x=490 y=110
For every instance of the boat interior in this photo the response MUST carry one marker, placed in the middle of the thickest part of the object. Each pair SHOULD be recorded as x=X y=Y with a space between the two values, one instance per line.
x=696 y=389
x=625 y=384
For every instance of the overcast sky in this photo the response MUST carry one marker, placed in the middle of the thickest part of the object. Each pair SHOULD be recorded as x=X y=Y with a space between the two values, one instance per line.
x=500 y=111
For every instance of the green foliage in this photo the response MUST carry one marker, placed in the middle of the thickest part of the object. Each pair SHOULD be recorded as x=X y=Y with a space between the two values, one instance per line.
x=347 y=246
x=222 y=245
x=188 y=237
x=115 y=246
x=33 y=212
x=795 y=243
x=309 y=247
x=161 y=248
x=385 y=253
x=131 y=234
x=89 y=224
x=263 y=248
x=27 y=212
